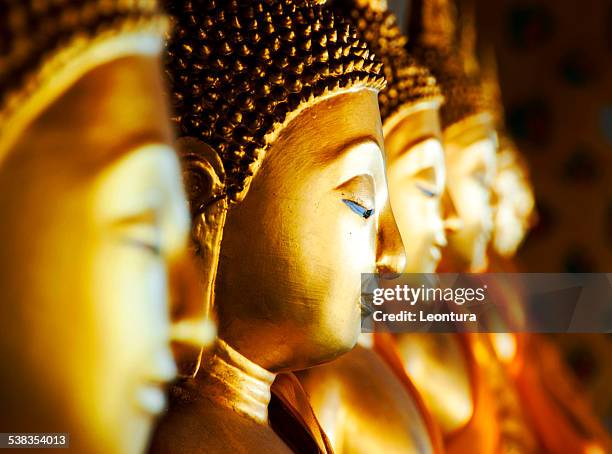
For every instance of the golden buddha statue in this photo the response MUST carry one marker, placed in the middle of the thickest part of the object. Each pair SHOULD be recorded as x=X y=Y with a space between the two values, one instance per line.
x=361 y=403
x=95 y=222
x=513 y=195
x=277 y=108
x=468 y=132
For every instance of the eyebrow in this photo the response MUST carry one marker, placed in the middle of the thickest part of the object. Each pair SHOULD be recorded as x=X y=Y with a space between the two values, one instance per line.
x=131 y=142
x=330 y=153
x=414 y=142
x=147 y=216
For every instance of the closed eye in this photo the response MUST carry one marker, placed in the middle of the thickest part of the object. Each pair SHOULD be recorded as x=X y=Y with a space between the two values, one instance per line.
x=359 y=209
x=141 y=231
x=152 y=247
x=425 y=190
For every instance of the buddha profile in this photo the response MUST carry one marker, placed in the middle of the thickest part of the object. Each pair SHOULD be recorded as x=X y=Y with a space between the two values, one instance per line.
x=95 y=223
x=360 y=401
x=470 y=141
x=277 y=112
x=513 y=197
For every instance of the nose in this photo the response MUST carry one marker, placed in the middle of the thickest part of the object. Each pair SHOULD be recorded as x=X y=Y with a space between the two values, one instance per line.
x=390 y=254
x=452 y=222
x=191 y=330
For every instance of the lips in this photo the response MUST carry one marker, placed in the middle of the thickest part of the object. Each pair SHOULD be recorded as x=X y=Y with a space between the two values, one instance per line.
x=150 y=394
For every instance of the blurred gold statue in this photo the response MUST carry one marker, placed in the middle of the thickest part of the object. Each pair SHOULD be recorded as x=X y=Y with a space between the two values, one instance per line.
x=94 y=222
x=561 y=419
x=469 y=132
x=277 y=107
x=513 y=196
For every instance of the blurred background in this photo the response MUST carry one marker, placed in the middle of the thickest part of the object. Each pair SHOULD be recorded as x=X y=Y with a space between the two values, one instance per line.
x=555 y=67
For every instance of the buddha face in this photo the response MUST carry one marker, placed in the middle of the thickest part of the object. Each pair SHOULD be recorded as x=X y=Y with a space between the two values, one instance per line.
x=514 y=205
x=94 y=221
x=315 y=218
x=416 y=174
x=470 y=166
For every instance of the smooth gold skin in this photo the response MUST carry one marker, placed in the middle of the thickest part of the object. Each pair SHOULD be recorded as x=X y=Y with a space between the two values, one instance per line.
x=95 y=222
x=470 y=165
x=514 y=203
x=416 y=173
x=288 y=287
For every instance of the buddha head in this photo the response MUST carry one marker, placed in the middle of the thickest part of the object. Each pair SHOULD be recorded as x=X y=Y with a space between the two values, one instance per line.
x=513 y=196
x=469 y=137
x=409 y=105
x=95 y=222
x=276 y=103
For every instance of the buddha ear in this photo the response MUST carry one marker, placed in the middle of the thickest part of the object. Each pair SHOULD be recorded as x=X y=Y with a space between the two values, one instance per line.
x=204 y=179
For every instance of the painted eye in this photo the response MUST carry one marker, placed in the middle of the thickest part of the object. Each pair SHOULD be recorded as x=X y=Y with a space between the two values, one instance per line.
x=359 y=209
x=428 y=192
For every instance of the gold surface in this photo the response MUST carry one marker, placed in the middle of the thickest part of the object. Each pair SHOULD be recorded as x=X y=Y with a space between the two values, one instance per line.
x=363 y=407
x=98 y=223
x=417 y=175
x=514 y=201
x=437 y=362
x=471 y=159
x=225 y=405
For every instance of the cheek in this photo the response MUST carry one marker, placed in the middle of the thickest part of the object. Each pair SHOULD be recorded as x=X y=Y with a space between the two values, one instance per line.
x=130 y=291
x=409 y=213
x=338 y=241
x=472 y=202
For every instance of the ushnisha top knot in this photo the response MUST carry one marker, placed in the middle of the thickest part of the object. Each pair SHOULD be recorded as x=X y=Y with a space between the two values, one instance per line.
x=408 y=82
x=462 y=92
x=433 y=36
x=47 y=45
x=241 y=70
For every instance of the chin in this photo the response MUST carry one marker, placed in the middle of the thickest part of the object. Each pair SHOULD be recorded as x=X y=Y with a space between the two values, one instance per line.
x=336 y=344
x=479 y=260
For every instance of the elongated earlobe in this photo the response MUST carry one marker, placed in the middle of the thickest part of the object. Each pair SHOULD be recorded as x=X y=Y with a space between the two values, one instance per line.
x=204 y=179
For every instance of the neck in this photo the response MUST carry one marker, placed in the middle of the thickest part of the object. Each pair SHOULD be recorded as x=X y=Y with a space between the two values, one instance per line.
x=233 y=381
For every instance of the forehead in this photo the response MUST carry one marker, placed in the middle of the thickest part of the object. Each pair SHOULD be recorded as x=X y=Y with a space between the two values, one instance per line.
x=418 y=124
x=331 y=127
x=112 y=109
x=425 y=154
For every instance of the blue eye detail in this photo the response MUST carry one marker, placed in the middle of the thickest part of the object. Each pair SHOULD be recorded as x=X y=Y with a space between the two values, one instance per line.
x=426 y=191
x=358 y=209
